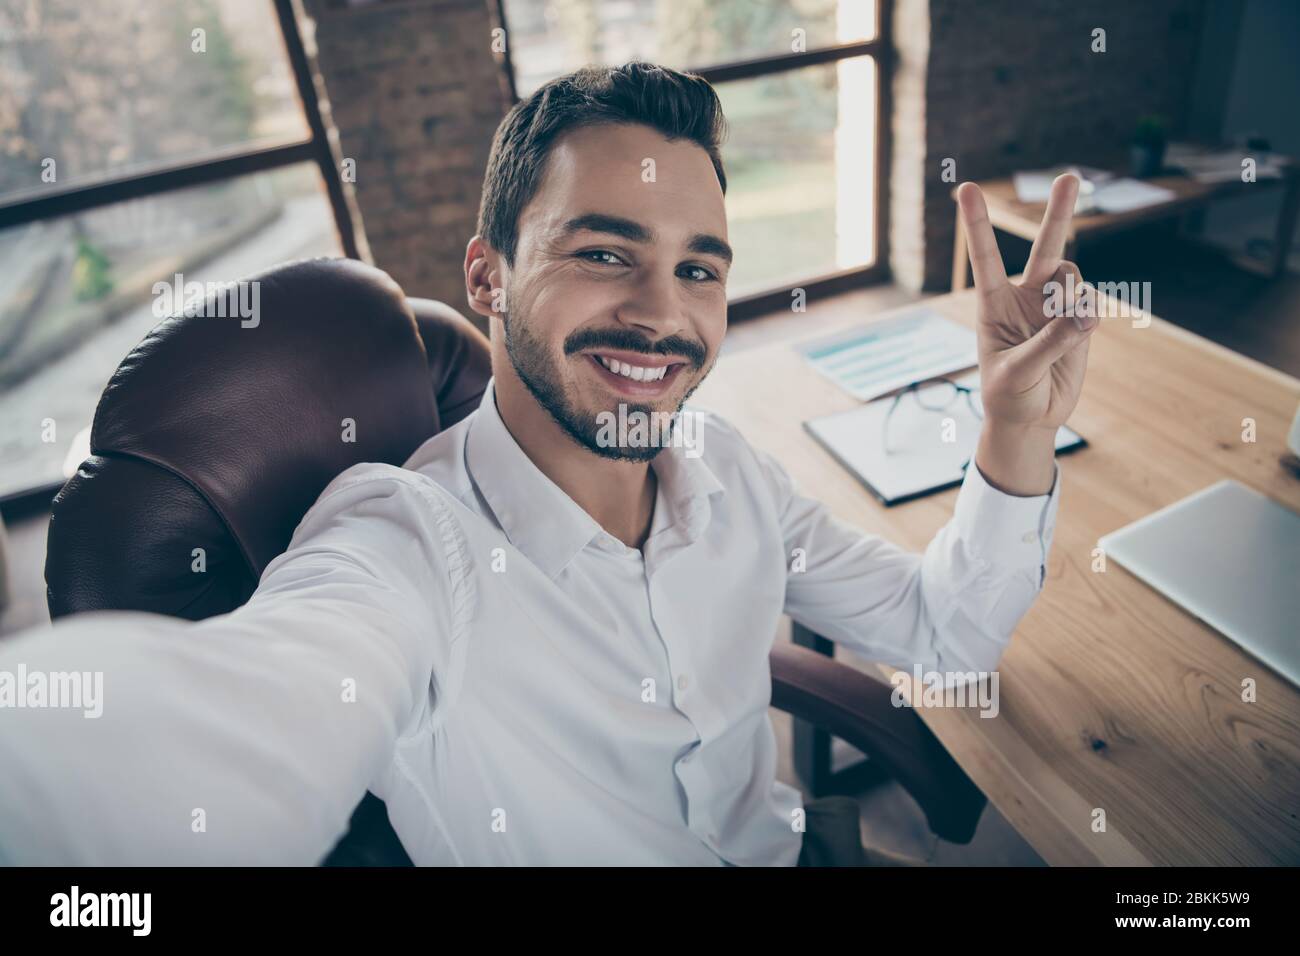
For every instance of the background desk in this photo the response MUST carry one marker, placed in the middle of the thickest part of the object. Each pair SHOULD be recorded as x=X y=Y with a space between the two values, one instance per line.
x=1009 y=214
x=1111 y=695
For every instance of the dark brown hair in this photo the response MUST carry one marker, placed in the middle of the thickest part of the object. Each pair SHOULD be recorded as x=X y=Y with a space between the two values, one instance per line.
x=678 y=105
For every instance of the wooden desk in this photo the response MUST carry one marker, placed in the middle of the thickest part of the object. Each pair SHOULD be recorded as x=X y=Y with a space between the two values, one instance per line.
x=1111 y=695
x=1021 y=219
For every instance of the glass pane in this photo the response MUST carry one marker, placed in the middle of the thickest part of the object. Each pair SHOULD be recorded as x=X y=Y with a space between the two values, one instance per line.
x=800 y=162
x=76 y=295
x=551 y=37
x=95 y=87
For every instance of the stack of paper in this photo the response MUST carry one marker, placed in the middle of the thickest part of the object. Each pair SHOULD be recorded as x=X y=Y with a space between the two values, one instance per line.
x=1034 y=186
x=868 y=361
x=1125 y=195
x=1099 y=191
x=1222 y=165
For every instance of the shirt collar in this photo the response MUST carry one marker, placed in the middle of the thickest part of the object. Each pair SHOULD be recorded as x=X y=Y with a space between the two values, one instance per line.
x=686 y=488
x=543 y=522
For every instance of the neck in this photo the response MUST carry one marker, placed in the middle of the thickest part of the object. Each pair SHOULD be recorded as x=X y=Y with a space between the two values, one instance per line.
x=619 y=495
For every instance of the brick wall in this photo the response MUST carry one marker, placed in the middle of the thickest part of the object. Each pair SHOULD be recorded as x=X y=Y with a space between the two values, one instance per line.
x=415 y=93
x=1002 y=85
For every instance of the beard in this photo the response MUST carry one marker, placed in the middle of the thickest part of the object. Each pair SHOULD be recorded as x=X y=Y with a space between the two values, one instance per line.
x=541 y=373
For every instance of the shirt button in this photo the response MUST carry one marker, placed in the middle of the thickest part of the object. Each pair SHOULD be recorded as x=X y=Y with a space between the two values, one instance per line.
x=682 y=681
x=1029 y=537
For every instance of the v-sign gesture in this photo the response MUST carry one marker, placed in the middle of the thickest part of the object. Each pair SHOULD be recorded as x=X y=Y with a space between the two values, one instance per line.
x=1031 y=363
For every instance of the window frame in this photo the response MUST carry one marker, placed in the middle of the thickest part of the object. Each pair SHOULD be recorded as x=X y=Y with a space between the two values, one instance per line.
x=20 y=208
x=32 y=205
x=881 y=51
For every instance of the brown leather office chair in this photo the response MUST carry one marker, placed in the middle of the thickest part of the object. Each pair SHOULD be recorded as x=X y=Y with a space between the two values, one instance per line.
x=218 y=436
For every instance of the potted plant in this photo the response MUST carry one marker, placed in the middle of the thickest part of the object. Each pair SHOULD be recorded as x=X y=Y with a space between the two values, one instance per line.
x=1147 y=151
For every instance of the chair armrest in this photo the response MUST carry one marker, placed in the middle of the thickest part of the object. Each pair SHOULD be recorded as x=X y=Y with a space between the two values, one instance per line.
x=857 y=708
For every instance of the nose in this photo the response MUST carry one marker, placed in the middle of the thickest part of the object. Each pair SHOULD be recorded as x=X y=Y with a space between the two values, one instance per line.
x=653 y=305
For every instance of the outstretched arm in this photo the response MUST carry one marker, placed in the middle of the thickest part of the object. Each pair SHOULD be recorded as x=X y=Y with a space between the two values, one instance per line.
x=249 y=737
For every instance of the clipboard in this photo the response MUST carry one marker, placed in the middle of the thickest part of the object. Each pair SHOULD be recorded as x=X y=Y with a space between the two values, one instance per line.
x=929 y=450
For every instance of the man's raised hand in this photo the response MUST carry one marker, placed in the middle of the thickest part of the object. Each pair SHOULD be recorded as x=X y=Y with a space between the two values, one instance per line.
x=1031 y=364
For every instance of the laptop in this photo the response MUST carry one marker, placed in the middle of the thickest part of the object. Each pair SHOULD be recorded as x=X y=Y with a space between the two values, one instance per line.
x=1231 y=556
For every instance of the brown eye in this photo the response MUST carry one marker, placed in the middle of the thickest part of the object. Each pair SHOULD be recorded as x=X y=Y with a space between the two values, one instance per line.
x=587 y=256
x=701 y=274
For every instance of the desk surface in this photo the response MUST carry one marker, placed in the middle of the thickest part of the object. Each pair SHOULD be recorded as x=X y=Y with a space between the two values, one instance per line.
x=1112 y=697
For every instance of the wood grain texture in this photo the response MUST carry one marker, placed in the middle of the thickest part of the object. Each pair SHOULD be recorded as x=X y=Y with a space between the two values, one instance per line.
x=1111 y=696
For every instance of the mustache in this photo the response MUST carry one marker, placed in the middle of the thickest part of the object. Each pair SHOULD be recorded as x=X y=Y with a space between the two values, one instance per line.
x=628 y=341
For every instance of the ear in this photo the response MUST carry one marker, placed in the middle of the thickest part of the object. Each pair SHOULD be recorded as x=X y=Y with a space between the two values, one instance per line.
x=484 y=288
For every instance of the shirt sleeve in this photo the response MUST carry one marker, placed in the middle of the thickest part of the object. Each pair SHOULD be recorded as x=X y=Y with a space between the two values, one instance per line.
x=951 y=609
x=250 y=737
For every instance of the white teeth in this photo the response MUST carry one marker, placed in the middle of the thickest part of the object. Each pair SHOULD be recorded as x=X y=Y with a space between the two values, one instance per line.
x=635 y=372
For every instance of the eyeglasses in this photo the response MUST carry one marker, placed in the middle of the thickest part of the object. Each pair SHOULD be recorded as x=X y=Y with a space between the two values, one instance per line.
x=936 y=395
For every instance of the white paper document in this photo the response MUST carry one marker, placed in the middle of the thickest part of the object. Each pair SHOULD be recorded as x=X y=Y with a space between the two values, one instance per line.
x=928 y=447
x=1035 y=185
x=868 y=361
x=1124 y=195
x=1098 y=190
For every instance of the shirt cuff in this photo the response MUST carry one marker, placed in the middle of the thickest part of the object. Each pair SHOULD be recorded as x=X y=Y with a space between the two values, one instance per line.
x=1007 y=530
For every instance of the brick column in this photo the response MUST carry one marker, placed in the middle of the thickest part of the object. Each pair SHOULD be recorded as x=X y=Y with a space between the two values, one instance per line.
x=415 y=93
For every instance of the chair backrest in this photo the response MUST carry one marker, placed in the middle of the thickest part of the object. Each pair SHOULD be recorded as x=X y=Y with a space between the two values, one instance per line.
x=218 y=432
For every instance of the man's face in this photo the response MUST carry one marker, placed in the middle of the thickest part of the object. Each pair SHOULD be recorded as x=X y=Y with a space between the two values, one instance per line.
x=618 y=292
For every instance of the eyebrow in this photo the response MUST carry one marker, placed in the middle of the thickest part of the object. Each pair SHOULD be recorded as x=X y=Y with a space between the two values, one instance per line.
x=702 y=242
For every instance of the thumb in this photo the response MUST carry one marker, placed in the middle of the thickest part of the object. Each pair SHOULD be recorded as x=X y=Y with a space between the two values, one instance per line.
x=1054 y=340
x=1035 y=357
x=1075 y=320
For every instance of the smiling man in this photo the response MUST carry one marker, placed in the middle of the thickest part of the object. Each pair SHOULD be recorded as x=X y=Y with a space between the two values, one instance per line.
x=602 y=229
x=560 y=643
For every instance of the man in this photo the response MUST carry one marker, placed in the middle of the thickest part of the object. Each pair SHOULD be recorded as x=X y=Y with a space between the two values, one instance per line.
x=556 y=636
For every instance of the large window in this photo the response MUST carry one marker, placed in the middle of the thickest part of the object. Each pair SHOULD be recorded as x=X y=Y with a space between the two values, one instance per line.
x=801 y=83
x=138 y=139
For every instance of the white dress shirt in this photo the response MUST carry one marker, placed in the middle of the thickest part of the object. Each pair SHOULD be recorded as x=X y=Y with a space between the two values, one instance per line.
x=527 y=689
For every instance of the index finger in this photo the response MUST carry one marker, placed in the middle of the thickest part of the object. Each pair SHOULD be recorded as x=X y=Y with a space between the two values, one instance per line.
x=1054 y=230
x=985 y=259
